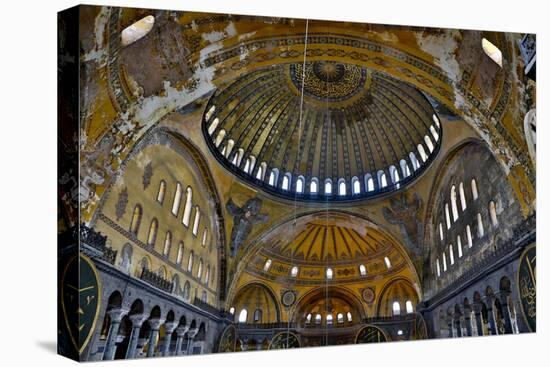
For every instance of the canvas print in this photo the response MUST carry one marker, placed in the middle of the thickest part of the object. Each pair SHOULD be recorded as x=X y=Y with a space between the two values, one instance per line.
x=232 y=183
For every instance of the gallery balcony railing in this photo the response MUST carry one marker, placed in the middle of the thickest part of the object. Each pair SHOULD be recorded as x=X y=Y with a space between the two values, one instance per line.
x=156 y=280
x=313 y=325
x=206 y=306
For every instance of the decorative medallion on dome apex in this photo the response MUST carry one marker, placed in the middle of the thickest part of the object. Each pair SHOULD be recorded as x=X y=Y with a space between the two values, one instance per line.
x=328 y=81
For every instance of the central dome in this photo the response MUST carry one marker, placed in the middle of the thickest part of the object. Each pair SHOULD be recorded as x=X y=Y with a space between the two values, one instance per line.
x=322 y=130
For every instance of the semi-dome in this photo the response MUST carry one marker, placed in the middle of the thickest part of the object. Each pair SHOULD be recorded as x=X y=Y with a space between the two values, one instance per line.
x=323 y=247
x=322 y=130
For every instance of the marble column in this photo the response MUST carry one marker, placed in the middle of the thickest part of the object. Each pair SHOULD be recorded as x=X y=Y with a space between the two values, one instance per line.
x=478 y=319
x=180 y=332
x=190 y=336
x=137 y=322
x=116 y=315
x=490 y=312
x=468 y=319
x=155 y=326
x=504 y=299
x=169 y=328
x=458 y=327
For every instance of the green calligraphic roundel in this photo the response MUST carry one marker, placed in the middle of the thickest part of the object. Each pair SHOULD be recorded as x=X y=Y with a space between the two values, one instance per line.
x=527 y=286
x=80 y=299
x=285 y=340
x=228 y=340
x=370 y=334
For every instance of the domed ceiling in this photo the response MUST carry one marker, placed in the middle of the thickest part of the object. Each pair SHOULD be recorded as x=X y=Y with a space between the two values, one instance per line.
x=304 y=252
x=356 y=132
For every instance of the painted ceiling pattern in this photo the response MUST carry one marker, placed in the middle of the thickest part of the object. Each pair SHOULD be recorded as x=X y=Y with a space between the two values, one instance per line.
x=353 y=123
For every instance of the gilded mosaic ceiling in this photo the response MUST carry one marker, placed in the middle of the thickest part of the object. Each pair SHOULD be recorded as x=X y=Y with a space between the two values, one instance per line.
x=290 y=126
x=305 y=251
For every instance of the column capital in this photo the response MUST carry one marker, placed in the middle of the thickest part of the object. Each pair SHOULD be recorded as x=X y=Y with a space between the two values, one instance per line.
x=182 y=330
x=192 y=333
x=155 y=323
x=116 y=314
x=170 y=326
x=137 y=320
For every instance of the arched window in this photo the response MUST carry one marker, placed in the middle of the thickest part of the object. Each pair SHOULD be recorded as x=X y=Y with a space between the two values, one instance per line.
x=414 y=161
x=340 y=318
x=434 y=133
x=318 y=319
x=451 y=255
x=294 y=271
x=246 y=168
x=355 y=186
x=180 y=253
x=382 y=182
x=362 y=270
x=273 y=176
x=447 y=216
x=177 y=199
x=167 y=243
x=480 y=230
x=136 y=219
x=454 y=206
x=342 y=187
x=240 y=155
x=394 y=174
x=204 y=237
x=232 y=310
x=258 y=316
x=438 y=267
x=422 y=153
x=219 y=138
x=369 y=182
x=469 y=236
x=229 y=147
x=204 y=296
x=440 y=232
x=188 y=206
x=153 y=228
x=207 y=275
x=493 y=214
x=314 y=186
x=190 y=262
x=300 y=184
x=252 y=164
x=329 y=319
x=243 y=315
x=308 y=318
x=196 y=221
x=404 y=168
x=329 y=273
x=260 y=175
x=199 y=270
x=462 y=196
x=137 y=30
x=409 y=307
x=213 y=126
x=474 y=189
x=162 y=190
x=396 y=308
x=429 y=143
x=286 y=181
x=328 y=186
x=459 y=245
x=387 y=261
x=492 y=51
x=267 y=264
x=350 y=319
x=444 y=262
x=436 y=120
